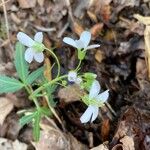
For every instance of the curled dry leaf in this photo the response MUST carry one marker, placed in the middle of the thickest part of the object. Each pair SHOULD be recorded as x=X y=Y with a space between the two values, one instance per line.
x=6 y=144
x=6 y=107
x=133 y=128
x=96 y=29
x=127 y=144
x=99 y=56
x=53 y=138
x=146 y=21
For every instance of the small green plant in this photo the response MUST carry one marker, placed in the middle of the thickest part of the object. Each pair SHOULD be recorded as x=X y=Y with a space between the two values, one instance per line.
x=45 y=88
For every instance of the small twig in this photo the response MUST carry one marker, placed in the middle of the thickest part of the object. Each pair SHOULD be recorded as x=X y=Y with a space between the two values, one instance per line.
x=3 y=3
x=6 y=19
x=43 y=28
x=110 y=108
x=69 y=10
x=63 y=30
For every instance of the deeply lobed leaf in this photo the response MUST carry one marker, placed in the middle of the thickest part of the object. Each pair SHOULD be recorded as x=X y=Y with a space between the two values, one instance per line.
x=8 y=84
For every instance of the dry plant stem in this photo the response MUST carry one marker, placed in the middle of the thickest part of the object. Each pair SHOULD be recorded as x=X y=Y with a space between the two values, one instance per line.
x=6 y=19
x=4 y=3
x=110 y=108
x=52 y=110
x=147 y=47
x=58 y=64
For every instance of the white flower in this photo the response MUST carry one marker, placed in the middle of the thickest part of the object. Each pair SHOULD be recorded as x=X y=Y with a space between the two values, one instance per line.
x=72 y=77
x=35 y=47
x=91 y=112
x=82 y=43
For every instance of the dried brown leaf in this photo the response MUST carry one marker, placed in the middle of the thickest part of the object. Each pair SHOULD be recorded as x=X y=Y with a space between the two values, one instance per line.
x=70 y=94
x=96 y=29
x=77 y=28
x=27 y=3
x=100 y=147
x=6 y=107
x=52 y=138
x=99 y=56
x=105 y=128
x=6 y=144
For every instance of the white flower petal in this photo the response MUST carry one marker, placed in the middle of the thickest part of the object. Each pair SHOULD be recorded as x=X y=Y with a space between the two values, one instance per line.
x=39 y=57
x=38 y=37
x=95 y=113
x=95 y=89
x=29 y=55
x=79 y=44
x=25 y=39
x=72 y=76
x=78 y=81
x=69 y=41
x=87 y=114
x=103 y=96
x=85 y=37
x=93 y=46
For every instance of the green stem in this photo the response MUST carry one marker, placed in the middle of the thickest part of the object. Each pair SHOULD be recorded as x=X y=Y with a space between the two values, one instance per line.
x=46 y=85
x=58 y=64
x=36 y=103
x=30 y=91
x=78 y=65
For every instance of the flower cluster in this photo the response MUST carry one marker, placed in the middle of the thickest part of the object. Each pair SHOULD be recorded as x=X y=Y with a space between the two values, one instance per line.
x=87 y=81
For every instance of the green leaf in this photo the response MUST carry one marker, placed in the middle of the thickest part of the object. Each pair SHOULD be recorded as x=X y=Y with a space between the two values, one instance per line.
x=45 y=111
x=89 y=75
x=20 y=63
x=8 y=84
x=26 y=119
x=34 y=75
x=36 y=126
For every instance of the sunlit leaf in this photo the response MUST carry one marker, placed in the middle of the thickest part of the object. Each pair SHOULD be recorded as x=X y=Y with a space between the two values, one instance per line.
x=20 y=63
x=8 y=84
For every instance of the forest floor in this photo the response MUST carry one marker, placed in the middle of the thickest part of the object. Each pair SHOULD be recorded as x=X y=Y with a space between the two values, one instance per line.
x=121 y=64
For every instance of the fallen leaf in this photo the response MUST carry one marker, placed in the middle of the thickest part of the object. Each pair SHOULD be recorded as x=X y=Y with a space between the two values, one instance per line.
x=125 y=3
x=6 y=107
x=27 y=3
x=47 y=71
x=15 y=18
x=41 y=2
x=105 y=12
x=80 y=9
x=142 y=19
x=70 y=94
x=128 y=143
x=105 y=128
x=6 y=144
x=141 y=69
x=52 y=138
x=92 y=16
x=77 y=28
x=99 y=56
x=133 y=127
x=100 y=147
x=96 y=29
